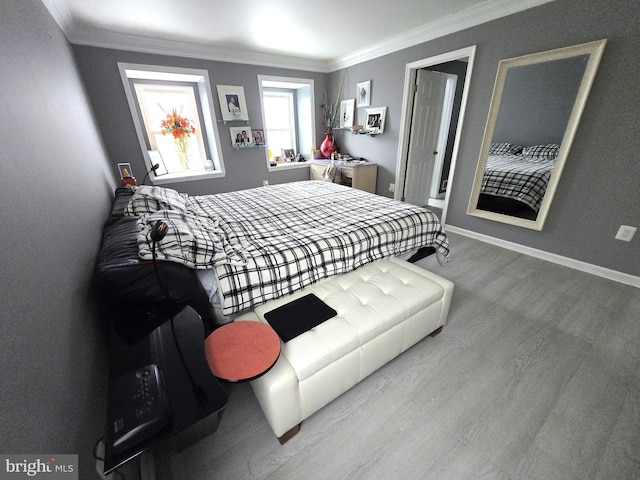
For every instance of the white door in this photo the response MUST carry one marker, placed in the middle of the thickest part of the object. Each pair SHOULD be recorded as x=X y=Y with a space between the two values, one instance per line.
x=423 y=140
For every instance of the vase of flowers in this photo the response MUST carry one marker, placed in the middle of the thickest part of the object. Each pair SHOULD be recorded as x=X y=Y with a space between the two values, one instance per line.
x=180 y=128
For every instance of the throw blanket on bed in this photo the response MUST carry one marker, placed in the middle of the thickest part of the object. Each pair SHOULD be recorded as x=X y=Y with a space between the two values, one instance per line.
x=519 y=177
x=271 y=241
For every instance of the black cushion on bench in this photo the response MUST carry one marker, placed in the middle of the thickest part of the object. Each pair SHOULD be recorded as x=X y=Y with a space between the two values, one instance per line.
x=298 y=316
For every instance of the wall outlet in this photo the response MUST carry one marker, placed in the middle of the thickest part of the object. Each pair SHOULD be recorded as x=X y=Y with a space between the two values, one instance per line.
x=265 y=183
x=392 y=187
x=625 y=233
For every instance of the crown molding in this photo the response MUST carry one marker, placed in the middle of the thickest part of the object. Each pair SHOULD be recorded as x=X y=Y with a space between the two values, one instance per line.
x=60 y=13
x=477 y=15
x=136 y=43
x=95 y=37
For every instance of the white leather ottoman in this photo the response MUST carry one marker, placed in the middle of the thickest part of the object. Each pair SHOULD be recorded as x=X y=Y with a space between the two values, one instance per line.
x=383 y=309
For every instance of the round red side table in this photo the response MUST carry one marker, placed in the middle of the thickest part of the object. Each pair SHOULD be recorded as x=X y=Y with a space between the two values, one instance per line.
x=242 y=350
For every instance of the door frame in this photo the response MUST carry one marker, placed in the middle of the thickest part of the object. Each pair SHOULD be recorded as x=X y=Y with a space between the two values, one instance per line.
x=407 y=107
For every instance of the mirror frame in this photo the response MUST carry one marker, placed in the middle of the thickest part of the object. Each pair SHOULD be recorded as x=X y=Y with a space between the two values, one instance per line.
x=594 y=50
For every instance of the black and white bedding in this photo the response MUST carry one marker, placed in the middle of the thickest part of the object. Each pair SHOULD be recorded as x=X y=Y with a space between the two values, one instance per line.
x=255 y=245
x=519 y=173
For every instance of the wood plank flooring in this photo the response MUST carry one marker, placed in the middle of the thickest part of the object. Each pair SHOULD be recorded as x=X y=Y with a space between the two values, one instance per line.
x=535 y=376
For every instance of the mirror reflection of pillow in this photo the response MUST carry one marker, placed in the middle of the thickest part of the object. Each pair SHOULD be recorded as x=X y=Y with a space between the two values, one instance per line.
x=504 y=149
x=150 y=199
x=542 y=151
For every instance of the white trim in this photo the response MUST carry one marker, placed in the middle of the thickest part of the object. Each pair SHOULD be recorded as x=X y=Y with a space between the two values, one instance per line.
x=477 y=15
x=185 y=177
x=405 y=117
x=483 y=12
x=294 y=83
x=209 y=120
x=550 y=257
x=594 y=51
x=443 y=134
x=287 y=166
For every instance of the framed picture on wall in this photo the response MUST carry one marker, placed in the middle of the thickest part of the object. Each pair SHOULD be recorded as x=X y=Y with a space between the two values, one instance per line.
x=233 y=105
x=346 y=113
x=363 y=93
x=241 y=137
x=375 y=120
x=258 y=137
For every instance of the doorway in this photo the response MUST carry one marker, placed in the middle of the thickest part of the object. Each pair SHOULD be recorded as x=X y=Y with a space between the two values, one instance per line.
x=432 y=111
x=418 y=178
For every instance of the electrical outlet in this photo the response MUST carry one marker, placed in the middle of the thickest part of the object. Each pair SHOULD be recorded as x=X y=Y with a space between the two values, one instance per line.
x=392 y=187
x=625 y=233
x=265 y=183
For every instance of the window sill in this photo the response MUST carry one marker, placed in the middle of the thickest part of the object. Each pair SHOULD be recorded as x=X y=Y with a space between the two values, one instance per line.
x=185 y=177
x=287 y=166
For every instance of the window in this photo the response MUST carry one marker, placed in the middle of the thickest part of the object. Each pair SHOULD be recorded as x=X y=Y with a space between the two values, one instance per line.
x=288 y=118
x=279 y=119
x=156 y=94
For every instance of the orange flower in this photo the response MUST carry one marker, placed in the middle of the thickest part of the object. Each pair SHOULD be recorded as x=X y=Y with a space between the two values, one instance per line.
x=177 y=125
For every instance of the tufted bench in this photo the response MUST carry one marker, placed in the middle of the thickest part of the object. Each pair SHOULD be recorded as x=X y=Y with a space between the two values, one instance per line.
x=383 y=308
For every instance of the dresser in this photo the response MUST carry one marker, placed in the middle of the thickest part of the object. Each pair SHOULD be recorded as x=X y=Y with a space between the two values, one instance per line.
x=353 y=174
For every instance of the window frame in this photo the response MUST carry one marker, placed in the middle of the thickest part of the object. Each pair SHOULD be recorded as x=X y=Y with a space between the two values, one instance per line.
x=204 y=99
x=290 y=95
x=304 y=113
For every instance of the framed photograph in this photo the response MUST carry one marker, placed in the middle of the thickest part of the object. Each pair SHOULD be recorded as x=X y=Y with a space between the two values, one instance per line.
x=288 y=155
x=258 y=137
x=363 y=93
x=241 y=137
x=346 y=113
x=232 y=103
x=156 y=159
x=125 y=170
x=375 y=120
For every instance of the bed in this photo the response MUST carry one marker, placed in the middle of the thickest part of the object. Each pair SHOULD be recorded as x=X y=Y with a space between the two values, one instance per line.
x=515 y=178
x=255 y=245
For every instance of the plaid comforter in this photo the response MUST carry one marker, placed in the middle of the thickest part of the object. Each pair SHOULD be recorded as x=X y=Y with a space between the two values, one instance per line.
x=519 y=177
x=267 y=242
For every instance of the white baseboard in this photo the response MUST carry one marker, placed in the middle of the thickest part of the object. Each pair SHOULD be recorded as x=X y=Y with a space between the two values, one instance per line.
x=551 y=257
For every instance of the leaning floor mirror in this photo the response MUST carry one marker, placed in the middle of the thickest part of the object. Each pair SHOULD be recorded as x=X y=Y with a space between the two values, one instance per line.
x=535 y=110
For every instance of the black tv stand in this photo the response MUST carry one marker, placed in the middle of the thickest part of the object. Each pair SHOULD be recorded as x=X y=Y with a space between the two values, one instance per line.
x=187 y=410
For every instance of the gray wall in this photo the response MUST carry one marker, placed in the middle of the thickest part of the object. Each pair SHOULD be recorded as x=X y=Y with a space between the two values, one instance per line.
x=245 y=168
x=55 y=195
x=599 y=188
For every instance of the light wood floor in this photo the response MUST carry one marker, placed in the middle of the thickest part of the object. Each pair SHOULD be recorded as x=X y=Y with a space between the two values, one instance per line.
x=535 y=376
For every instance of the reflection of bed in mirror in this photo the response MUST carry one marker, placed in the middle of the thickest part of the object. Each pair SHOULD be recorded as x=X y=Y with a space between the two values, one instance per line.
x=515 y=178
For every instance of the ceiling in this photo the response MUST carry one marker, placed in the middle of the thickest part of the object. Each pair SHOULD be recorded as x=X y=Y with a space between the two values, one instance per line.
x=313 y=35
